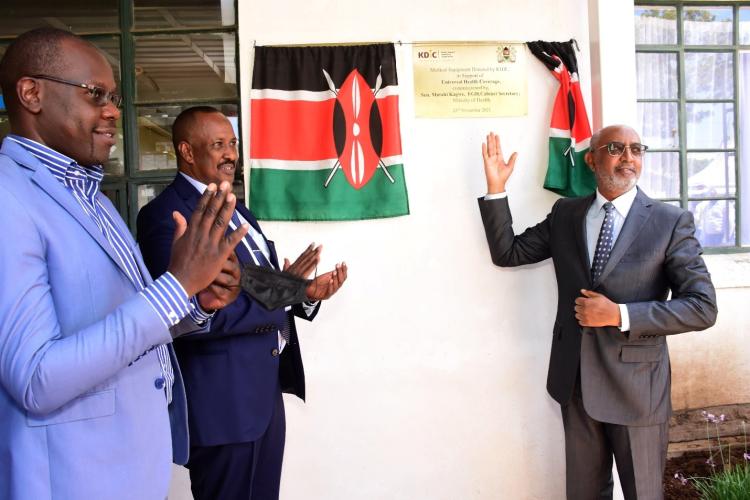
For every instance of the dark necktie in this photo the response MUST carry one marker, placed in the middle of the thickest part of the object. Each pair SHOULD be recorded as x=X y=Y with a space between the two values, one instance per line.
x=263 y=262
x=604 y=243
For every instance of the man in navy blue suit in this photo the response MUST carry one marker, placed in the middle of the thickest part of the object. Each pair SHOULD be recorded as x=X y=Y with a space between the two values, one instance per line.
x=235 y=373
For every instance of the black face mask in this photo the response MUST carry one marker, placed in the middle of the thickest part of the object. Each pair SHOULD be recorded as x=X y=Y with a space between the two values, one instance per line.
x=272 y=288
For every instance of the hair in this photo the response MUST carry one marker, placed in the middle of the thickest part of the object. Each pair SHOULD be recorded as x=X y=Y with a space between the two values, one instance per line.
x=185 y=122
x=38 y=51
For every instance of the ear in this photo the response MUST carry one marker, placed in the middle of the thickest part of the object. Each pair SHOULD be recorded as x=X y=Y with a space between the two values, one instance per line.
x=29 y=94
x=589 y=159
x=186 y=152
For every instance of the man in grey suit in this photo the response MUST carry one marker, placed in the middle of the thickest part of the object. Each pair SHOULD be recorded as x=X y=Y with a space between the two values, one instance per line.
x=617 y=255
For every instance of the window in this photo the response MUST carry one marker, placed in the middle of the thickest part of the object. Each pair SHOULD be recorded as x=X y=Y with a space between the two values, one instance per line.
x=693 y=85
x=166 y=55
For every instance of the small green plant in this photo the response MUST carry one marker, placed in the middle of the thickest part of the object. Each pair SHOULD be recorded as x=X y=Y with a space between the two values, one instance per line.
x=732 y=482
x=729 y=484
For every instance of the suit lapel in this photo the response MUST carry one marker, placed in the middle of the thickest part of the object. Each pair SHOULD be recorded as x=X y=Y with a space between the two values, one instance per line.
x=242 y=209
x=580 y=231
x=272 y=250
x=243 y=254
x=639 y=213
x=43 y=178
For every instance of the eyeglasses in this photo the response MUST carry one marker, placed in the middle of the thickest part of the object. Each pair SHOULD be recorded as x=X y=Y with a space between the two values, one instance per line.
x=618 y=148
x=101 y=97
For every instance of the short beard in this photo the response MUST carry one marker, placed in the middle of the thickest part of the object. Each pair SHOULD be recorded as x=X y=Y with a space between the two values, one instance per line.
x=612 y=184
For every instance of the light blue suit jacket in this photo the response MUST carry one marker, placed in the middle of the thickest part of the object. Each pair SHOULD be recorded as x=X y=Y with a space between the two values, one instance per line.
x=77 y=419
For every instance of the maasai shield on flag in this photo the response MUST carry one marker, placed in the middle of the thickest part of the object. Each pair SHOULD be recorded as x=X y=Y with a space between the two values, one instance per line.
x=325 y=142
x=570 y=132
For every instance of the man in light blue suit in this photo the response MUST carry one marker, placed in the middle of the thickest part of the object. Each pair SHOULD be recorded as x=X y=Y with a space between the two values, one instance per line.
x=88 y=386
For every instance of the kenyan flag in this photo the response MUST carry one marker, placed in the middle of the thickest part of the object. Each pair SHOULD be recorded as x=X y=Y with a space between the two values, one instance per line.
x=325 y=142
x=570 y=133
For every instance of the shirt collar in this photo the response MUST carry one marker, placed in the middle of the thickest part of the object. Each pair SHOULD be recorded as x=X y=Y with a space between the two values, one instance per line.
x=62 y=167
x=195 y=182
x=622 y=203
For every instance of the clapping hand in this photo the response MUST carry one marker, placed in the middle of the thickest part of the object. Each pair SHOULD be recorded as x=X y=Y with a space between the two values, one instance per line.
x=201 y=247
x=325 y=285
x=321 y=287
x=225 y=287
x=306 y=263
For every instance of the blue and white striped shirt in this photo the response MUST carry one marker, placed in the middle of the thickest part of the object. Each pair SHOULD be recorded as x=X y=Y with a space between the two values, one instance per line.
x=165 y=295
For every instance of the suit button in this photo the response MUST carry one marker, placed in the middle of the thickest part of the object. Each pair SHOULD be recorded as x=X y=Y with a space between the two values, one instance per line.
x=159 y=383
x=274 y=352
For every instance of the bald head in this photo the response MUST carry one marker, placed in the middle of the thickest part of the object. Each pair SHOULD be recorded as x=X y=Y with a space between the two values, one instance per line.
x=39 y=51
x=599 y=135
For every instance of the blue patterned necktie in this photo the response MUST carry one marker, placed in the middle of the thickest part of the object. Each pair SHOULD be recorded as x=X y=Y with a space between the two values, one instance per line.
x=604 y=243
x=263 y=262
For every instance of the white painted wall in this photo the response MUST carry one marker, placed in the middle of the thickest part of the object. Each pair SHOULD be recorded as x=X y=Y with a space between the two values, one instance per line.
x=426 y=374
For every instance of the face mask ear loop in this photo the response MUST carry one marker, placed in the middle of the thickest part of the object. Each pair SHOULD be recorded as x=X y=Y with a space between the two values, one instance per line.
x=315 y=276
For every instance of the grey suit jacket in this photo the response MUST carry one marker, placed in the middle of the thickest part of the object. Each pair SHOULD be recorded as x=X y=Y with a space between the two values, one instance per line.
x=625 y=377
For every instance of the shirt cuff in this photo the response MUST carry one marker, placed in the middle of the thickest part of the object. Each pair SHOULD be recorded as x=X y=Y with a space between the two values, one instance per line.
x=495 y=196
x=168 y=298
x=624 y=318
x=197 y=314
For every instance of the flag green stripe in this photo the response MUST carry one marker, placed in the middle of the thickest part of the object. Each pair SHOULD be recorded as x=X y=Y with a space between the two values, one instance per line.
x=300 y=195
x=564 y=177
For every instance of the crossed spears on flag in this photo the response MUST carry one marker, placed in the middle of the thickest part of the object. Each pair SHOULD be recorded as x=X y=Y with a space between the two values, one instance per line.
x=357 y=166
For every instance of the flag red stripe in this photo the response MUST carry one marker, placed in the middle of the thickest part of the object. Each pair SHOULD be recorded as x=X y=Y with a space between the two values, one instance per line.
x=389 y=115
x=303 y=130
x=291 y=130
x=560 y=112
x=581 y=128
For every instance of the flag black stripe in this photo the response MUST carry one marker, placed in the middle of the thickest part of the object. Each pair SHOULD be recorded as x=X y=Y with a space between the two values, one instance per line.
x=301 y=68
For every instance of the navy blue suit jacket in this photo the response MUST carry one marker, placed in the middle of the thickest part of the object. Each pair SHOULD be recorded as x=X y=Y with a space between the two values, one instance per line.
x=233 y=372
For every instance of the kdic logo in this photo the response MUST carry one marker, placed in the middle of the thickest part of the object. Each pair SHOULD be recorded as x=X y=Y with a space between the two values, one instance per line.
x=426 y=54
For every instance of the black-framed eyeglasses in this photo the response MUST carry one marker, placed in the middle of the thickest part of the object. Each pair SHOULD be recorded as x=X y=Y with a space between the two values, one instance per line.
x=100 y=96
x=618 y=148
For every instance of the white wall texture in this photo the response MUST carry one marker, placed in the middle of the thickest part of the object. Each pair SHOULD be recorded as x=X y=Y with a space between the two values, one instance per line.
x=426 y=373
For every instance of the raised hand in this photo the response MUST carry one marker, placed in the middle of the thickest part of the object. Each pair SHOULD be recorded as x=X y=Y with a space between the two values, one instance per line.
x=225 y=288
x=201 y=247
x=496 y=170
x=306 y=263
x=325 y=285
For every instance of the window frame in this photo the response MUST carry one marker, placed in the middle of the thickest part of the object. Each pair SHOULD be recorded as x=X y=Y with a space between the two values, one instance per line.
x=126 y=185
x=680 y=49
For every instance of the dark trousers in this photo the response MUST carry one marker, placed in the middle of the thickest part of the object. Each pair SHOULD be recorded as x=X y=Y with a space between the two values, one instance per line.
x=241 y=471
x=640 y=454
